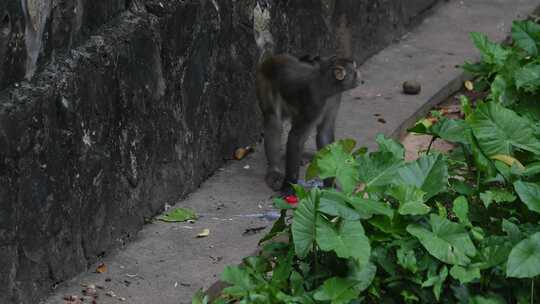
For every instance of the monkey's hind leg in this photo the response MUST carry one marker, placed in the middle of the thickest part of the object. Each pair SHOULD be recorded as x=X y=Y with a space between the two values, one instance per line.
x=295 y=147
x=273 y=128
x=326 y=129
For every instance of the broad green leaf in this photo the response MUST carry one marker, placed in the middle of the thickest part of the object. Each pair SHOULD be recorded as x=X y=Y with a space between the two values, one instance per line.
x=529 y=193
x=423 y=126
x=390 y=145
x=178 y=215
x=477 y=233
x=378 y=169
x=528 y=77
x=199 y=298
x=532 y=169
x=496 y=195
x=395 y=226
x=499 y=130
x=478 y=68
x=240 y=280
x=297 y=283
x=428 y=173
x=524 y=259
x=460 y=207
x=283 y=269
x=340 y=164
x=362 y=274
x=257 y=264
x=502 y=91
x=303 y=226
x=335 y=203
x=383 y=258
x=494 y=251
x=361 y=208
x=436 y=280
x=465 y=274
x=411 y=200
x=447 y=241
x=337 y=291
x=348 y=240
x=278 y=227
x=492 y=53
x=512 y=230
x=367 y=208
x=450 y=130
x=461 y=187
x=407 y=259
x=313 y=170
x=526 y=35
x=481 y=162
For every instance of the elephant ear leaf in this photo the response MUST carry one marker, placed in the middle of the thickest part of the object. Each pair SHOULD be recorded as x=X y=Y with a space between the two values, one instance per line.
x=500 y=131
x=429 y=174
x=303 y=226
x=526 y=35
x=447 y=241
x=524 y=259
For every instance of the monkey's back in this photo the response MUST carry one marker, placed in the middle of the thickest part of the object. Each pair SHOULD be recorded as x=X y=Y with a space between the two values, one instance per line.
x=285 y=80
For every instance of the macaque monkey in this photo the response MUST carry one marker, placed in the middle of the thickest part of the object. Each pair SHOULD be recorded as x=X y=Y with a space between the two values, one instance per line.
x=308 y=92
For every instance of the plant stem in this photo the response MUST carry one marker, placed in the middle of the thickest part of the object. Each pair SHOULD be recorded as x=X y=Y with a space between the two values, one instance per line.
x=433 y=139
x=532 y=290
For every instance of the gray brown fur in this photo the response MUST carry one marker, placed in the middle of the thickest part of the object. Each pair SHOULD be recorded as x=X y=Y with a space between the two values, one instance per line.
x=308 y=92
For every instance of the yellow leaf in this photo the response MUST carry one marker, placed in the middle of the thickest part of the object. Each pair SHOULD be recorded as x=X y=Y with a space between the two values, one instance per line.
x=469 y=85
x=509 y=160
x=204 y=233
x=426 y=122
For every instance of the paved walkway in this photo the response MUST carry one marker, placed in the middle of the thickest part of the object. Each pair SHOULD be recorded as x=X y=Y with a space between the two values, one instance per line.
x=167 y=264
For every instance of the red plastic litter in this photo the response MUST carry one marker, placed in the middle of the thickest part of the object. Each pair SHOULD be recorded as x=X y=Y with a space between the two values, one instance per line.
x=291 y=199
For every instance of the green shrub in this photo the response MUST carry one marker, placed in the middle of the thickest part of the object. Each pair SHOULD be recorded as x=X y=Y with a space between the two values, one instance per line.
x=456 y=228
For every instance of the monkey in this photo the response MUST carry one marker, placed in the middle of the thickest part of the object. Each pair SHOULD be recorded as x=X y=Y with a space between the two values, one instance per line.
x=307 y=91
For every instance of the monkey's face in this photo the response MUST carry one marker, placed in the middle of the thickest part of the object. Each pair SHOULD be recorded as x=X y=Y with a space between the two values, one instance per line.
x=345 y=73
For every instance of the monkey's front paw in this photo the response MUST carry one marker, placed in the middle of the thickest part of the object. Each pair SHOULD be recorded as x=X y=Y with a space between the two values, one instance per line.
x=274 y=180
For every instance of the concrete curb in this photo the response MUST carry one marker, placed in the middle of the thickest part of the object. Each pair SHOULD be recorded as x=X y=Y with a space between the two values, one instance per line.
x=445 y=92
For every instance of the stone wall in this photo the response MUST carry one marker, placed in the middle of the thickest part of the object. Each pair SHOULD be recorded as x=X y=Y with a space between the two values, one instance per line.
x=111 y=108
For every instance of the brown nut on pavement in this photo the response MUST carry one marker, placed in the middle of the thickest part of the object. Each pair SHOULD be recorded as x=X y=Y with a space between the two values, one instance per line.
x=411 y=87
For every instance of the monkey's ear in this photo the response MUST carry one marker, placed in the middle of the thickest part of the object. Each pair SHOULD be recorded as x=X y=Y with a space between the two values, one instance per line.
x=340 y=72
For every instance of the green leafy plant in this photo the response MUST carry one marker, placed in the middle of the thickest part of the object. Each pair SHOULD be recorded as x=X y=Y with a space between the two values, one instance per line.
x=457 y=228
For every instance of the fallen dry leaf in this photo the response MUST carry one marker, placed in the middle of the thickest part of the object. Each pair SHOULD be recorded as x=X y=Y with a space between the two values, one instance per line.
x=242 y=152
x=102 y=268
x=111 y=294
x=469 y=85
x=204 y=233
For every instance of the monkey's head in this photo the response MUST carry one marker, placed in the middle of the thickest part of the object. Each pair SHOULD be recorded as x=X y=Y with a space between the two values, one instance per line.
x=343 y=73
